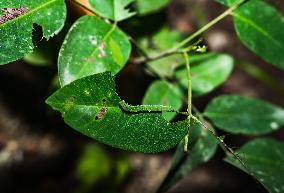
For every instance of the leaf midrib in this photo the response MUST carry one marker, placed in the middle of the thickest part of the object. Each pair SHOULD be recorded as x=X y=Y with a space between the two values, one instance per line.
x=29 y=12
x=259 y=29
x=214 y=114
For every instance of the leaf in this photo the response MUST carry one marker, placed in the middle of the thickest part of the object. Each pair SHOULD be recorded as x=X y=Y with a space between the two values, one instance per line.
x=264 y=158
x=208 y=72
x=89 y=50
x=149 y=6
x=163 y=93
x=261 y=31
x=16 y=24
x=91 y=106
x=112 y=9
x=203 y=146
x=244 y=115
x=158 y=43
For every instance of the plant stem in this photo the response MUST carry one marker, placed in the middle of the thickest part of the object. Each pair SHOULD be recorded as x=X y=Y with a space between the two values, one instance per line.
x=222 y=144
x=189 y=98
x=209 y=25
x=176 y=48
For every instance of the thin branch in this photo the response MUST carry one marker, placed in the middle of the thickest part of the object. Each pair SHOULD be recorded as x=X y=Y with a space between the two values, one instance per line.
x=176 y=49
x=223 y=145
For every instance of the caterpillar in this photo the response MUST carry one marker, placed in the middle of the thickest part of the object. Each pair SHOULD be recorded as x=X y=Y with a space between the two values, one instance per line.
x=145 y=108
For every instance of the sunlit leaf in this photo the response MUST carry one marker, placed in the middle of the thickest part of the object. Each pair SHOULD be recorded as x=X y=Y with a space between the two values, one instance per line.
x=92 y=46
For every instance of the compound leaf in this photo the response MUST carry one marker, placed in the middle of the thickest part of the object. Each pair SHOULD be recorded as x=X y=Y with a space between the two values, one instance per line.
x=245 y=115
x=16 y=24
x=89 y=50
x=91 y=106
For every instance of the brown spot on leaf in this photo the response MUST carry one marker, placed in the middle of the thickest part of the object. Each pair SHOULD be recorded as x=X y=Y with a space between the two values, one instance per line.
x=11 y=13
x=102 y=52
x=101 y=114
x=84 y=59
x=165 y=102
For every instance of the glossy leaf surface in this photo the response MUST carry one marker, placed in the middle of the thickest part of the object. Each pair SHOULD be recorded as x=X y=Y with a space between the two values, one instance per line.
x=245 y=115
x=260 y=27
x=207 y=72
x=92 y=46
x=91 y=106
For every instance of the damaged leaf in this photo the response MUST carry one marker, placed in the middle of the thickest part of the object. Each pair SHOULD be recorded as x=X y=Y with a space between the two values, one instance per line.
x=95 y=110
x=16 y=24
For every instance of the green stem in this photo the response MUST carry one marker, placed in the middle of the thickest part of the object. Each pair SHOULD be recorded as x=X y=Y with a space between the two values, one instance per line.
x=189 y=98
x=176 y=49
x=209 y=25
x=222 y=144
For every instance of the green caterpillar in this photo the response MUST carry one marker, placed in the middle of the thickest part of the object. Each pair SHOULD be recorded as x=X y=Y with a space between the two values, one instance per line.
x=145 y=108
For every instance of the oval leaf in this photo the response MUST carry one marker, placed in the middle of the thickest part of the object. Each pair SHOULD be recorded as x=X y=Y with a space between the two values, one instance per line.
x=91 y=106
x=264 y=158
x=163 y=93
x=92 y=46
x=112 y=9
x=207 y=72
x=16 y=24
x=245 y=115
x=261 y=31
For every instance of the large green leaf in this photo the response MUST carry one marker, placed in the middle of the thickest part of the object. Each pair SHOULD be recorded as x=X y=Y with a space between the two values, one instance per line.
x=149 y=6
x=16 y=24
x=264 y=159
x=112 y=9
x=163 y=93
x=245 y=115
x=92 y=46
x=208 y=72
x=202 y=147
x=91 y=106
x=260 y=30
